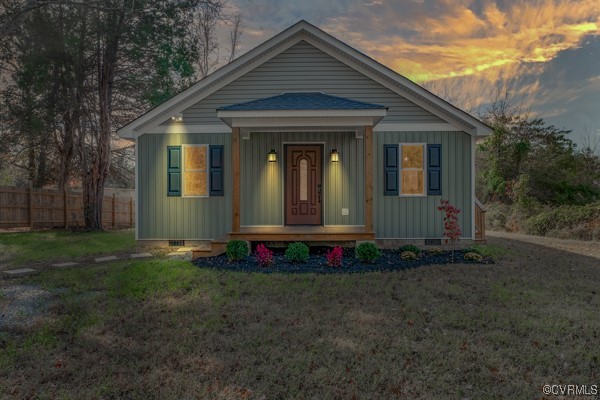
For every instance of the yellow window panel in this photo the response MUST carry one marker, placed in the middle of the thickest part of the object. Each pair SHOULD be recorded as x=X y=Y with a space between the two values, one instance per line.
x=195 y=158
x=412 y=156
x=412 y=182
x=195 y=184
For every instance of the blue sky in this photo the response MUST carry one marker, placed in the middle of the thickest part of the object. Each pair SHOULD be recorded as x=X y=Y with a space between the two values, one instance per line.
x=548 y=49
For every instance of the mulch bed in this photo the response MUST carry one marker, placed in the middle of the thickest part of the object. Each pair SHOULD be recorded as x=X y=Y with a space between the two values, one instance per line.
x=317 y=262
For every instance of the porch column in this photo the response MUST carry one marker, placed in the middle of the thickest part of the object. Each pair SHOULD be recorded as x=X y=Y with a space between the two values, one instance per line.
x=235 y=174
x=368 y=142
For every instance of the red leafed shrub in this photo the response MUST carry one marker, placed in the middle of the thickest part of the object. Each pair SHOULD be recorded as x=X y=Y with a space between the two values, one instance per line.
x=264 y=256
x=334 y=257
x=451 y=227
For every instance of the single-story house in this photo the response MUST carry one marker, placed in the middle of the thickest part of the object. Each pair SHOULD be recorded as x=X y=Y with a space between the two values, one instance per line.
x=303 y=138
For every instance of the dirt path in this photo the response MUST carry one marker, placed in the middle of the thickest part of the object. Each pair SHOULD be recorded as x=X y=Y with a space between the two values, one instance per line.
x=585 y=248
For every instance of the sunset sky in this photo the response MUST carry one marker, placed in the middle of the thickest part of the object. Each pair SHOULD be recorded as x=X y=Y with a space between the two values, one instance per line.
x=549 y=49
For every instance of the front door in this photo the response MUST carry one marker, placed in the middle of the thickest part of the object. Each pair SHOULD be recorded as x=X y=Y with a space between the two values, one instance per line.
x=303 y=186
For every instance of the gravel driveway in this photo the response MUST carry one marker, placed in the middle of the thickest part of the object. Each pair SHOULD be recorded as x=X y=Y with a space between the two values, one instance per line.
x=584 y=248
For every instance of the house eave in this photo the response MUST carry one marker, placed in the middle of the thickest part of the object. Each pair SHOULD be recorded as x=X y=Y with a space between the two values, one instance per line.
x=292 y=121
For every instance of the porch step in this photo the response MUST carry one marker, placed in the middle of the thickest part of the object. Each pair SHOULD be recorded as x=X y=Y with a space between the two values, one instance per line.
x=303 y=236
x=216 y=248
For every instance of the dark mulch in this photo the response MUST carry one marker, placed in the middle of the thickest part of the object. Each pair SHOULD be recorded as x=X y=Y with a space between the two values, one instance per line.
x=317 y=263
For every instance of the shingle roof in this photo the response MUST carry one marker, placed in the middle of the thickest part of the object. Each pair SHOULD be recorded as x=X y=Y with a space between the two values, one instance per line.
x=302 y=101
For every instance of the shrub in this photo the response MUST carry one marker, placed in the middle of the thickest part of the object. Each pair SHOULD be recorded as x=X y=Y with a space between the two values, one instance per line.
x=435 y=250
x=472 y=256
x=264 y=256
x=472 y=250
x=408 y=256
x=237 y=250
x=367 y=252
x=334 y=257
x=451 y=227
x=297 y=252
x=563 y=218
x=410 y=247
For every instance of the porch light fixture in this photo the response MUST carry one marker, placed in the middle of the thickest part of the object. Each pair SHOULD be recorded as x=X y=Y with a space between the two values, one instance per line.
x=177 y=117
x=272 y=156
x=335 y=156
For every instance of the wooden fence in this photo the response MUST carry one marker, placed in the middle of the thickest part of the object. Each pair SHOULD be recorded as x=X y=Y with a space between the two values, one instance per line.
x=44 y=208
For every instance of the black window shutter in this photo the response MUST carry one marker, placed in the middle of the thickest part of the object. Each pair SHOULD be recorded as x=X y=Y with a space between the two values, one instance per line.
x=390 y=169
x=434 y=169
x=216 y=170
x=173 y=170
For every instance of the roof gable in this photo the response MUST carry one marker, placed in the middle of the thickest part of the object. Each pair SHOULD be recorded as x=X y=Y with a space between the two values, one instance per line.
x=305 y=32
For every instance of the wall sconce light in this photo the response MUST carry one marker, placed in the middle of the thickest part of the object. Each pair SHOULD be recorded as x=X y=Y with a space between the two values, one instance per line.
x=272 y=156
x=335 y=156
x=177 y=117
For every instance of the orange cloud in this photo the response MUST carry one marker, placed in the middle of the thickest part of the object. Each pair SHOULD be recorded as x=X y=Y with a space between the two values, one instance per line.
x=461 y=42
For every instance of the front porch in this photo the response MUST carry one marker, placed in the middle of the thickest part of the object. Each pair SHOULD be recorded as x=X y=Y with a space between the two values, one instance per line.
x=273 y=198
x=303 y=233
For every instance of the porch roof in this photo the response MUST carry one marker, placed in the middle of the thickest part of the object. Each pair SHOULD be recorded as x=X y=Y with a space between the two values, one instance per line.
x=303 y=101
x=302 y=109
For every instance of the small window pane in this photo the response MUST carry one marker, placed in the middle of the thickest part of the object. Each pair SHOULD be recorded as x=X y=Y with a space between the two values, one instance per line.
x=303 y=180
x=412 y=156
x=195 y=158
x=195 y=184
x=412 y=182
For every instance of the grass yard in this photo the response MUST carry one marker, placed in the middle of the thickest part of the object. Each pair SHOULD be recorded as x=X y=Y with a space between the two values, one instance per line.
x=167 y=330
x=30 y=247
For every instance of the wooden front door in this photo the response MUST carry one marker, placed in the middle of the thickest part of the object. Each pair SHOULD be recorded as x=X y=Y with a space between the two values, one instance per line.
x=303 y=184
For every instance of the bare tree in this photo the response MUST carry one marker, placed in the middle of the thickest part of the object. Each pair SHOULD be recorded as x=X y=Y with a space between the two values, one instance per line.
x=234 y=35
x=590 y=139
x=204 y=32
x=453 y=93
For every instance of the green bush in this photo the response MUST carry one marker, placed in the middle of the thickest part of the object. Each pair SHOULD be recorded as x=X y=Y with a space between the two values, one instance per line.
x=297 y=252
x=367 y=252
x=472 y=256
x=237 y=250
x=562 y=218
x=472 y=250
x=435 y=250
x=410 y=247
x=408 y=256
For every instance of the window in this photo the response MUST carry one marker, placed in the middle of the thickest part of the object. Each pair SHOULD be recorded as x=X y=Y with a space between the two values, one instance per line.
x=195 y=170
x=412 y=175
x=407 y=170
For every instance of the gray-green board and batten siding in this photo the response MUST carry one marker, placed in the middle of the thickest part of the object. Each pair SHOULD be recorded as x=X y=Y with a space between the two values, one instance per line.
x=262 y=183
x=162 y=217
x=418 y=217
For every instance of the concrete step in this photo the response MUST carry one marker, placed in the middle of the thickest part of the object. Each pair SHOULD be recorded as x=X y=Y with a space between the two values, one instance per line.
x=16 y=273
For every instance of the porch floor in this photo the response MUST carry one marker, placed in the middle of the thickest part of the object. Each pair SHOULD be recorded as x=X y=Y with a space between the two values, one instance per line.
x=303 y=233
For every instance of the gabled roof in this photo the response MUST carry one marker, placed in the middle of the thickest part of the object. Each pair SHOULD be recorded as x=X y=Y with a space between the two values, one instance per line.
x=302 y=109
x=302 y=101
x=325 y=42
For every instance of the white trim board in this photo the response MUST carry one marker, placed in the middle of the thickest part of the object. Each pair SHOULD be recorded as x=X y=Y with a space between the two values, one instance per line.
x=185 y=128
x=273 y=122
x=280 y=126
x=415 y=127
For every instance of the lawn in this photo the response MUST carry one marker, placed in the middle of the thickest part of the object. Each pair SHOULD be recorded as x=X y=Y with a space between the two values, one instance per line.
x=22 y=248
x=165 y=329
